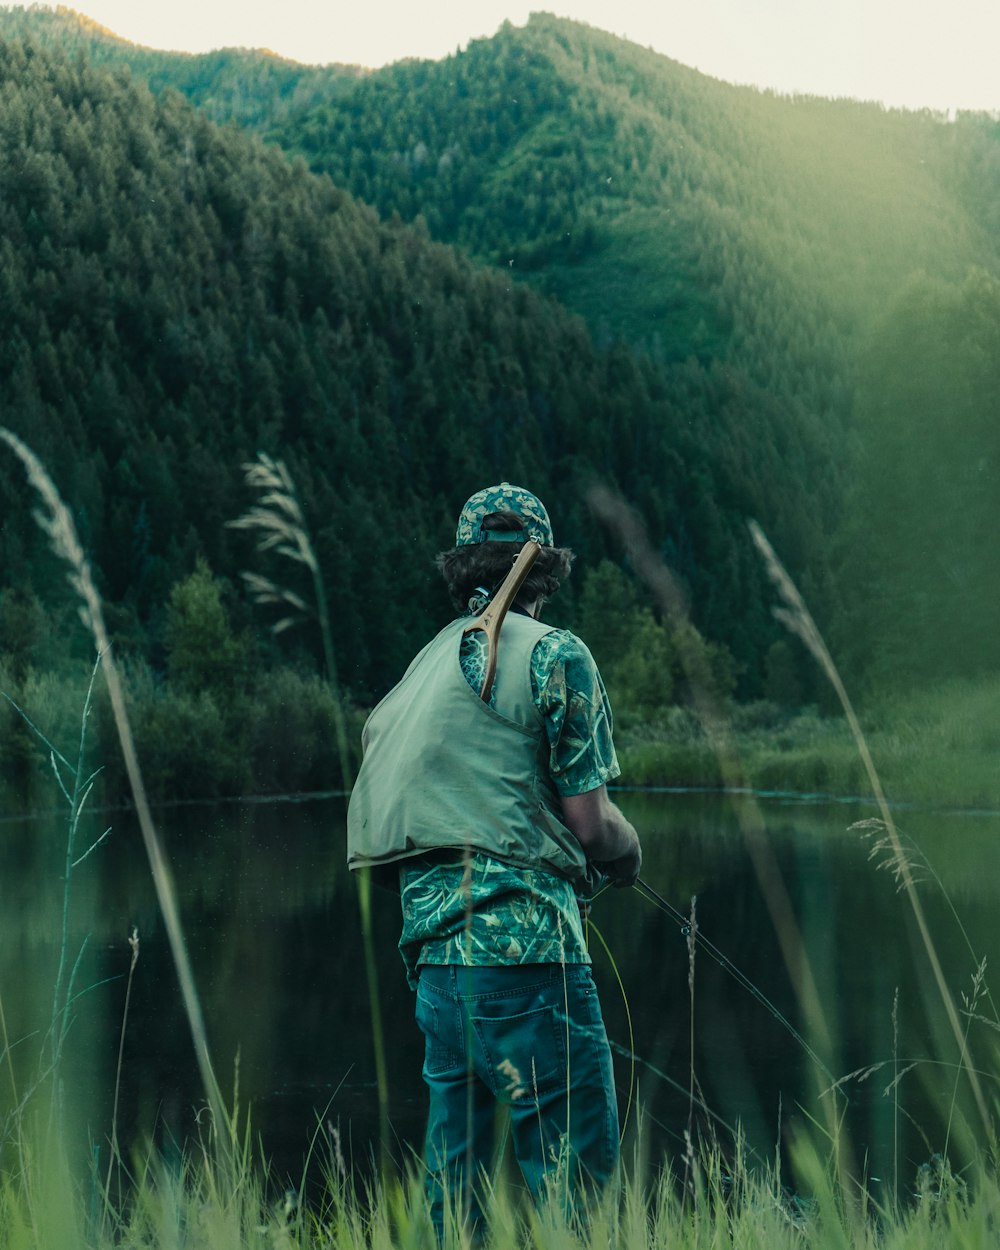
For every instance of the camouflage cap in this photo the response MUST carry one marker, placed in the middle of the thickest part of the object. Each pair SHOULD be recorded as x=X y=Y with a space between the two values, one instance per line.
x=503 y=498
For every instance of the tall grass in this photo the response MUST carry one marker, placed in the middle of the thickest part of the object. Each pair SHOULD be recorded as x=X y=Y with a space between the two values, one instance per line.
x=711 y=713
x=797 y=617
x=76 y=783
x=193 y=1205
x=278 y=520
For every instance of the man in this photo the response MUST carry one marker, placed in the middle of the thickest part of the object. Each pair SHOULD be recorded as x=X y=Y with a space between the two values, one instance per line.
x=492 y=817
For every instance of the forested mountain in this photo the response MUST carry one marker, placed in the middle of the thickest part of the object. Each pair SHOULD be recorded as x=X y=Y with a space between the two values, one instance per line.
x=745 y=263
x=820 y=249
x=675 y=209
x=175 y=296
x=816 y=253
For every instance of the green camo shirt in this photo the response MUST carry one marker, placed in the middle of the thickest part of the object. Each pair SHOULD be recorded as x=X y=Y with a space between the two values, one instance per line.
x=480 y=910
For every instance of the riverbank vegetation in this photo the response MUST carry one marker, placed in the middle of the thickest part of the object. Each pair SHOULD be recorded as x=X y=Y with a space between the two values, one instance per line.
x=275 y=733
x=936 y=748
x=224 y=714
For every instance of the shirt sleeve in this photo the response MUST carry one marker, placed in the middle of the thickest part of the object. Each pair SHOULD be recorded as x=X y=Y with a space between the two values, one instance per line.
x=570 y=695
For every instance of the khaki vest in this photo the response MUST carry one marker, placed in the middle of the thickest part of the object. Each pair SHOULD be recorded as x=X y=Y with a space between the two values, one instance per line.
x=442 y=769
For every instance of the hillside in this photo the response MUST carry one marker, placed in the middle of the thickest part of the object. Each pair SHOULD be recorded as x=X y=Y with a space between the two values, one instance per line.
x=669 y=208
x=823 y=252
x=646 y=194
x=176 y=297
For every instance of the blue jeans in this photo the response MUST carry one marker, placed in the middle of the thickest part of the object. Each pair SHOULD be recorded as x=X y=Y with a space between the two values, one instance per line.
x=529 y=1038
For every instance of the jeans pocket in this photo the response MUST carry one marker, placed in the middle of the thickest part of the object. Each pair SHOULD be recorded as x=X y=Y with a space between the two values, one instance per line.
x=525 y=1053
x=442 y=1052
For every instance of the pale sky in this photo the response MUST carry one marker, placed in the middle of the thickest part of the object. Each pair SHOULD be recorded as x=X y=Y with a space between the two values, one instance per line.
x=941 y=54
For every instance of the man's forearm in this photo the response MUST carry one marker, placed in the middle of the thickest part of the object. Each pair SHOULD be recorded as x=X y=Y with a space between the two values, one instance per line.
x=616 y=838
x=599 y=826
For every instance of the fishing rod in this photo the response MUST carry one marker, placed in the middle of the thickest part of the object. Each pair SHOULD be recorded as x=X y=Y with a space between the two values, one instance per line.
x=686 y=927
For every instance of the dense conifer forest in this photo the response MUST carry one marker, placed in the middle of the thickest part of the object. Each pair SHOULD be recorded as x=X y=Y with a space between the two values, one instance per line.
x=553 y=257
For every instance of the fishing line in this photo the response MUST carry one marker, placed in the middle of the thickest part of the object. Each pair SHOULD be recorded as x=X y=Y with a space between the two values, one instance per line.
x=628 y=1019
x=650 y=895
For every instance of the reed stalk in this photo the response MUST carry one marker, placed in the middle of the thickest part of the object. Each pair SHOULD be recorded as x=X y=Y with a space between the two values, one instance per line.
x=711 y=714
x=54 y=518
x=278 y=520
x=76 y=788
x=375 y=1009
x=691 y=938
x=8 y=1059
x=796 y=617
x=895 y=1100
x=82 y=788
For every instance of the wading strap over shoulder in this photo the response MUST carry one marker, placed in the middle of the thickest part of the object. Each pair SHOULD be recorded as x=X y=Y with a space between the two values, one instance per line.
x=493 y=615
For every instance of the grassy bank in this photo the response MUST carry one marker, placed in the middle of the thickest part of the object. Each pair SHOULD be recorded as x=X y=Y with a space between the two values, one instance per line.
x=937 y=747
x=199 y=1204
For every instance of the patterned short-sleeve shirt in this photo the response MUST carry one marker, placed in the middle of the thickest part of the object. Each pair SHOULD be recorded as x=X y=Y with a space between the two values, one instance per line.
x=478 y=910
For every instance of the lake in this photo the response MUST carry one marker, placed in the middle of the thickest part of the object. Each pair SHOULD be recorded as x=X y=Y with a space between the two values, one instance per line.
x=272 y=924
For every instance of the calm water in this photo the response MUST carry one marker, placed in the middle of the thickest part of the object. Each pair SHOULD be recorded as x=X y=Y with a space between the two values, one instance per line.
x=273 y=929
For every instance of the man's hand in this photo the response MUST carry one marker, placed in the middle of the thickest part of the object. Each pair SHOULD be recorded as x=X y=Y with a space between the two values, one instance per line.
x=624 y=870
x=605 y=835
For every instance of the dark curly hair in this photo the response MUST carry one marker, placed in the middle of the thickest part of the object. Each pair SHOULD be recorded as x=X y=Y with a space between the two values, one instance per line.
x=486 y=564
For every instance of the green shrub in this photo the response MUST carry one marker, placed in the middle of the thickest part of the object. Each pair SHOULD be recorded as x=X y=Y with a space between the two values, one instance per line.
x=204 y=655
x=293 y=734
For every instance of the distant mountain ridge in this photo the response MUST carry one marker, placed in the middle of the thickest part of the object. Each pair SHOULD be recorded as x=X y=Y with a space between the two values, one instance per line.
x=252 y=87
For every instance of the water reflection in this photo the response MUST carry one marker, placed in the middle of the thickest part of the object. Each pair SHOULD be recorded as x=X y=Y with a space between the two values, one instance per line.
x=272 y=924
